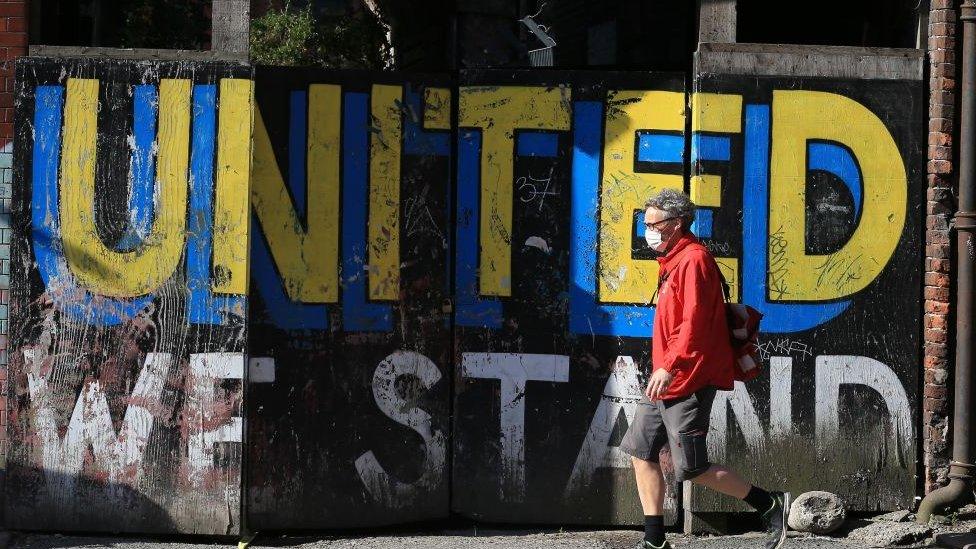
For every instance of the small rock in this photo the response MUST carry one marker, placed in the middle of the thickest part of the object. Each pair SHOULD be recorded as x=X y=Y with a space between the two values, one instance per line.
x=884 y=534
x=894 y=516
x=817 y=513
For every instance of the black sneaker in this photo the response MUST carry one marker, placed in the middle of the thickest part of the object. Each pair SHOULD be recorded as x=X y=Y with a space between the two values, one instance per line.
x=648 y=545
x=776 y=519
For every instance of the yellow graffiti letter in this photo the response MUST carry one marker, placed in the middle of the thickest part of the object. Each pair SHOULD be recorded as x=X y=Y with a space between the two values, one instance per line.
x=799 y=116
x=384 y=193
x=498 y=112
x=718 y=113
x=230 y=244
x=97 y=267
x=623 y=280
x=308 y=260
x=715 y=113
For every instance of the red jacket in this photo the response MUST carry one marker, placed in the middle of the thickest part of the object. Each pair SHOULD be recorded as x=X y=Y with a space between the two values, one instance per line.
x=691 y=334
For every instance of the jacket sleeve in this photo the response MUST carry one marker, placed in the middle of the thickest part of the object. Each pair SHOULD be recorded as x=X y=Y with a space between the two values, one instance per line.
x=699 y=289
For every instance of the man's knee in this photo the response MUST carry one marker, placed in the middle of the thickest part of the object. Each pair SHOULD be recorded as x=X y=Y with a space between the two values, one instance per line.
x=702 y=477
x=644 y=464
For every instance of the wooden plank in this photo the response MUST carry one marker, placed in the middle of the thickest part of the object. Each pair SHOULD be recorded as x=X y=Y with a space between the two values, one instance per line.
x=812 y=61
x=837 y=404
x=145 y=54
x=549 y=356
x=716 y=20
x=350 y=277
x=231 y=24
x=127 y=364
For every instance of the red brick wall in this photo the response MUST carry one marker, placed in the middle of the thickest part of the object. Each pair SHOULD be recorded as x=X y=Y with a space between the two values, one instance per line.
x=941 y=206
x=13 y=44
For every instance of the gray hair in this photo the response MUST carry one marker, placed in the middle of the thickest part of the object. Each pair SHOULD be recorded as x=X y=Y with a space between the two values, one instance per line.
x=676 y=204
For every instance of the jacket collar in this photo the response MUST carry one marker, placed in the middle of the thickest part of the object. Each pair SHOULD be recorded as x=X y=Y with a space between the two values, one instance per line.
x=686 y=240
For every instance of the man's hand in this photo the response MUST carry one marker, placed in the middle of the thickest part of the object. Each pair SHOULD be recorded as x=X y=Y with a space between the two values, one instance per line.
x=658 y=384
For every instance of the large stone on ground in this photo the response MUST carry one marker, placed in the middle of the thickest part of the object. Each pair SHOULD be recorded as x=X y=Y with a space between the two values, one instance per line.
x=817 y=512
x=886 y=534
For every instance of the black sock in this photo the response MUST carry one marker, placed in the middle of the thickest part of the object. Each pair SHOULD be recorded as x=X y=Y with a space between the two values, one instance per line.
x=759 y=499
x=654 y=529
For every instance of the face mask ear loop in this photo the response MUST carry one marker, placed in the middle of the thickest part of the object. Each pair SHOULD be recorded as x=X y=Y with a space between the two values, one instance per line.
x=668 y=243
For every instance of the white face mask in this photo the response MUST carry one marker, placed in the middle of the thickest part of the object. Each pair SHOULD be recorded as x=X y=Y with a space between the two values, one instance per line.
x=654 y=240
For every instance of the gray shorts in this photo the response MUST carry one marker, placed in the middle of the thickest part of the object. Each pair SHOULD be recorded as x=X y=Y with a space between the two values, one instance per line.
x=681 y=423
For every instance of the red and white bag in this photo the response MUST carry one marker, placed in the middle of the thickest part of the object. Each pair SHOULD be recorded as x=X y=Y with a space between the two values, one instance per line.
x=743 y=323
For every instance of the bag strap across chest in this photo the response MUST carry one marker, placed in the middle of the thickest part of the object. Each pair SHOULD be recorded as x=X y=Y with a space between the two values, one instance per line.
x=726 y=290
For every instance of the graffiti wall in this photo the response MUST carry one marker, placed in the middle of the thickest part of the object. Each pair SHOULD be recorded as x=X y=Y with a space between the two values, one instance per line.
x=350 y=320
x=373 y=298
x=811 y=196
x=553 y=286
x=813 y=193
x=129 y=279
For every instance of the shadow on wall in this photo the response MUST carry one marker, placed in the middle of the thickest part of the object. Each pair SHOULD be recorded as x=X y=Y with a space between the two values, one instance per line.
x=82 y=503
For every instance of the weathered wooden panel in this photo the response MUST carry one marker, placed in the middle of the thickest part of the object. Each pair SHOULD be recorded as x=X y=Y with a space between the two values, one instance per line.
x=716 y=20
x=814 y=191
x=553 y=284
x=129 y=277
x=350 y=326
x=847 y=62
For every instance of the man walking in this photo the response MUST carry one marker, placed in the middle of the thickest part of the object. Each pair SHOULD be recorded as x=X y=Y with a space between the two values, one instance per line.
x=692 y=358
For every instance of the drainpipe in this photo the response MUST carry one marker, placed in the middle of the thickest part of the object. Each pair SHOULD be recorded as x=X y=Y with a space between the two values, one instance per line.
x=960 y=489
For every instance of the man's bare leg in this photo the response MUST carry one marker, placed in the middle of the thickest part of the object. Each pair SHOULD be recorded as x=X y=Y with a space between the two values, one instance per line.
x=773 y=507
x=722 y=479
x=650 y=488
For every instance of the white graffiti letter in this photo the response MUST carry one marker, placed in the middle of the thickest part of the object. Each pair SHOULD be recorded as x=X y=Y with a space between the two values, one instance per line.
x=744 y=411
x=90 y=426
x=780 y=397
x=202 y=416
x=834 y=371
x=384 y=488
x=620 y=396
x=513 y=371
